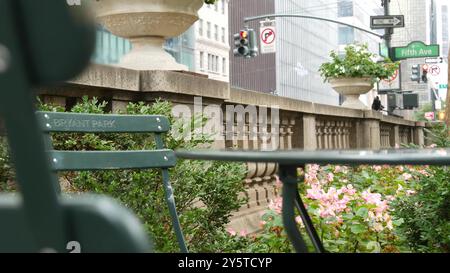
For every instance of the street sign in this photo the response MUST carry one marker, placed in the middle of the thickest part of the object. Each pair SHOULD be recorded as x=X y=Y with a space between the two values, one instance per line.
x=384 y=50
x=390 y=21
x=390 y=85
x=434 y=60
x=416 y=49
x=438 y=105
x=434 y=70
x=268 y=37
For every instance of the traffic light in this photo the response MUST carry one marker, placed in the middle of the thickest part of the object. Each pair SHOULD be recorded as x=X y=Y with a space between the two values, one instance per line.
x=415 y=73
x=241 y=43
x=246 y=44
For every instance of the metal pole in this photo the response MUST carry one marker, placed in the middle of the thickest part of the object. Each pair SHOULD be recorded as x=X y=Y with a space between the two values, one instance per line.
x=388 y=31
x=433 y=103
x=249 y=19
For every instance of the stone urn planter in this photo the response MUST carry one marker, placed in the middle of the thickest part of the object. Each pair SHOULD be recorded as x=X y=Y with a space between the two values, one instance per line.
x=147 y=24
x=352 y=88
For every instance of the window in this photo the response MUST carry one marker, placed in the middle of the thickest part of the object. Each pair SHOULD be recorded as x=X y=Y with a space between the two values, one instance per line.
x=223 y=6
x=445 y=28
x=200 y=27
x=224 y=66
x=346 y=35
x=208 y=30
x=202 y=56
x=216 y=32
x=216 y=6
x=345 y=8
x=209 y=62
x=216 y=68
x=223 y=35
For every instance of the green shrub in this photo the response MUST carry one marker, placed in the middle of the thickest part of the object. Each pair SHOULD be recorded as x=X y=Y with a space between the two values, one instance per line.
x=357 y=62
x=426 y=215
x=6 y=172
x=207 y=193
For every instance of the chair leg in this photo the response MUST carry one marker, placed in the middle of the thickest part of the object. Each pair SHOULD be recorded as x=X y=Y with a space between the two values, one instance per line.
x=288 y=175
x=309 y=225
x=173 y=211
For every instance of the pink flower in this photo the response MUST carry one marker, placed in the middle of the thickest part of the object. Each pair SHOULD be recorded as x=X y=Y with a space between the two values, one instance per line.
x=378 y=227
x=390 y=198
x=330 y=177
x=389 y=225
x=397 y=146
x=276 y=205
x=299 y=221
x=423 y=172
x=407 y=176
x=315 y=193
x=349 y=190
x=243 y=233
x=278 y=183
x=231 y=231
x=432 y=146
x=410 y=192
x=371 y=198
x=400 y=168
x=263 y=223
x=337 y=169
x=376 y=168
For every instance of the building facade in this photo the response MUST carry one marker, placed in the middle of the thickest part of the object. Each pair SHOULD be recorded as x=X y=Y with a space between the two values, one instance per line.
x=258 y=74
x=212 y=41
x=302 y=46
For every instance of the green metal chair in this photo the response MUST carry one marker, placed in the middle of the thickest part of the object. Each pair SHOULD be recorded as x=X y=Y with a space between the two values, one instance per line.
x=161 y=158
x=41 y=42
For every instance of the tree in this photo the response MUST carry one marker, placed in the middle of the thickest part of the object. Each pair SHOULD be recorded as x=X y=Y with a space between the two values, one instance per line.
x=447 y=109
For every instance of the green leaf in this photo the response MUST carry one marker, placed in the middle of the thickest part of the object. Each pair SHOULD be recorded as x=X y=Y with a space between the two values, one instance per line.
x=358 y=228
x=362 y=212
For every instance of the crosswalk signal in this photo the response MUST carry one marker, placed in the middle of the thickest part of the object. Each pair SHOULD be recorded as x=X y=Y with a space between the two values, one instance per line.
x=425 y=73
x=246 y=44
x=415 y=73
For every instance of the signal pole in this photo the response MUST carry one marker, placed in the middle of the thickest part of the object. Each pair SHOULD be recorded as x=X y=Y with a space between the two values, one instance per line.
x=388 y=31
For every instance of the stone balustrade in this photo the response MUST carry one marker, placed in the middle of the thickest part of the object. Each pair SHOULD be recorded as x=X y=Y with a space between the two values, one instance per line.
x=291 y=124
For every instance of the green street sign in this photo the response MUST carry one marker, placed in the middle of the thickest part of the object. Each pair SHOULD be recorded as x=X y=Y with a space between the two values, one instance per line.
x=443 y=86
x=384 y=50
x=416 y=49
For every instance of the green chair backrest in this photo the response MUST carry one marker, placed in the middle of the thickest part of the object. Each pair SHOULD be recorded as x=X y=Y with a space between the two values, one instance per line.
x=42 y=42
x=161 y=158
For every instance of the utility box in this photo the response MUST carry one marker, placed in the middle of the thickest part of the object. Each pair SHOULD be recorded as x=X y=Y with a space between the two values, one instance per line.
x=392 y=102
x=410 y=101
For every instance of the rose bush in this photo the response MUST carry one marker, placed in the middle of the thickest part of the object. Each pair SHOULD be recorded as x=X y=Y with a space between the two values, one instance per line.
x=351 y=208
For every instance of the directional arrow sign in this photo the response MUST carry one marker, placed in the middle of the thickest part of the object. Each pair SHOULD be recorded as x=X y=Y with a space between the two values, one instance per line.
x=391 y=21
x=434 y=60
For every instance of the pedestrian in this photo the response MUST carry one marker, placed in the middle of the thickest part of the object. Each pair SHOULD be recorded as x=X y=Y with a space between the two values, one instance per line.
x=376 y=105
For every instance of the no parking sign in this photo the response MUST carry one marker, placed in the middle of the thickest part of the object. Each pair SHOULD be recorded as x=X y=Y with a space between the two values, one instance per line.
x=268 y=37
